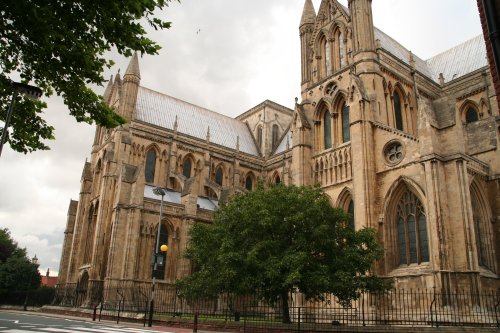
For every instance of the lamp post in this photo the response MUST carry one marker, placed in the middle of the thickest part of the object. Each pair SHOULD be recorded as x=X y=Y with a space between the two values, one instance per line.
x=28 y=91
x=157 y=254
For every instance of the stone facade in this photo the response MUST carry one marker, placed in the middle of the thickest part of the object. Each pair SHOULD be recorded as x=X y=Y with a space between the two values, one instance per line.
x=404 y=146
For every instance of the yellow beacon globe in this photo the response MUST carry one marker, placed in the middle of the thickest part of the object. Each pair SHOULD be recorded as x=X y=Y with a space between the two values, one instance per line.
x=163 y=248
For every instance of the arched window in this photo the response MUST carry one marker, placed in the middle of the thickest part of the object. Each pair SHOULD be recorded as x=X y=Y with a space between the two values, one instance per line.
x=397 y=111
x=340 y=42
x=89 y=237
x=471 y=115
x=346 y=130
x=161 y=268
x=328 y=68
x=275 y=135
x=219 y=176
x=186 y=168
x=150 y=166
x=327 y=129
x=411 y=224
x=249 y=182
x=350 y=210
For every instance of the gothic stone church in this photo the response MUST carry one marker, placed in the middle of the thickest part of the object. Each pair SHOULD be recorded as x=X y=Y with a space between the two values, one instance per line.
x=409 y=147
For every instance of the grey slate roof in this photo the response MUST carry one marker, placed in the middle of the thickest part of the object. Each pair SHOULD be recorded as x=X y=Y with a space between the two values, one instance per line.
x=459 y=60
x=400 y=52
x=453 y=63
x=170 y=196
x=175 y=197
x=162 y=110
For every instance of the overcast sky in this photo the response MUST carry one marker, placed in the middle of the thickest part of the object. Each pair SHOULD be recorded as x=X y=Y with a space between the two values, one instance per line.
x=224 y=55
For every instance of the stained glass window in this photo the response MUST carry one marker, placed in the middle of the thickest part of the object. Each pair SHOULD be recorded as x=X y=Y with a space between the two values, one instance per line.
x=341 y=50
x=350 y=210
x=346 y=130
x=218 y=176
x=327 y=123
x=328 y=67
x=397 y=111
x=150 y=166
x=186 y=168
x=249 y=183
x=413 y=242
x=471 y=116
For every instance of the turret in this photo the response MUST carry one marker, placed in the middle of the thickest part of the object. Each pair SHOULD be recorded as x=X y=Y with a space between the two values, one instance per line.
x=306 y=29
x=362 y=25
x=131 y=82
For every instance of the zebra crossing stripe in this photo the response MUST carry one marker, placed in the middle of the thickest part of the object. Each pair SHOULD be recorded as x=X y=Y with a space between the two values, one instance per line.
x=98 y=330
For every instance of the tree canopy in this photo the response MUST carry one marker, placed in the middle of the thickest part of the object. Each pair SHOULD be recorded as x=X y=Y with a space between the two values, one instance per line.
x=277 y=240
x=60 y=47
x=17 y=271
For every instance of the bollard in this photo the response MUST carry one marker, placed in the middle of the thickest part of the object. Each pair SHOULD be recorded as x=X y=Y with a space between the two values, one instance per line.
x=94 y=315
x=195 y=325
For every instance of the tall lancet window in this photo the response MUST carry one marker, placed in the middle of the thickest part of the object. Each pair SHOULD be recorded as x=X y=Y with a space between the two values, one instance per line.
x=346 y=130
x=327 y=129
x=150 y=166
x=186 y=168
x=397 y=111
x=341 y=50
x=219 y=176
x=328 y=68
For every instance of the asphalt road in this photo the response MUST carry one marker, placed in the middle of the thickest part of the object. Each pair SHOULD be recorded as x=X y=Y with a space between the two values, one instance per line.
x=11 y=322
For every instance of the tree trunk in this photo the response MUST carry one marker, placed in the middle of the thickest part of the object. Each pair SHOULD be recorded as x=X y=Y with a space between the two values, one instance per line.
x=285 y=308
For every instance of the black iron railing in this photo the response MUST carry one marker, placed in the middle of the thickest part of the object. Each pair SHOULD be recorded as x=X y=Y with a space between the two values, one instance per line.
x=429 y=308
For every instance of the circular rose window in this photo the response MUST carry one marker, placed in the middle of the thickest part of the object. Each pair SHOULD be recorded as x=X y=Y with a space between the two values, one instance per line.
x=394 y=152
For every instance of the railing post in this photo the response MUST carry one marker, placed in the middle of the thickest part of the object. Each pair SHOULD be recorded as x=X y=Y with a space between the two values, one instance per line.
x=151 y=309
x=298 y=320
x=363 y=295
x=195 y=325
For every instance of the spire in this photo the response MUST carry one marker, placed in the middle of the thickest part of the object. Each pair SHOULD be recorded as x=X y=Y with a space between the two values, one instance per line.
x=109 y=87
x=133 y=67
x=118 y=78
x=308 y=14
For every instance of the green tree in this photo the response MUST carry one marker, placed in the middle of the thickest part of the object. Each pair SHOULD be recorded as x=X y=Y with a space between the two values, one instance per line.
x=60 y=46
x=17 y=272
x=7 y=245
x=277 y=240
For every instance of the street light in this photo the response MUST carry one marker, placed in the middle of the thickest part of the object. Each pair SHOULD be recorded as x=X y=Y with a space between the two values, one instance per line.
x=157 y=256
x=26 y=90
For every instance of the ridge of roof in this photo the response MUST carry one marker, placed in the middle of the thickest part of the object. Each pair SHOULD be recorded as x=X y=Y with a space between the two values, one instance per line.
x=166 y=111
